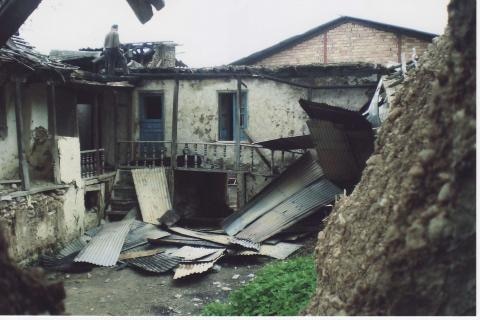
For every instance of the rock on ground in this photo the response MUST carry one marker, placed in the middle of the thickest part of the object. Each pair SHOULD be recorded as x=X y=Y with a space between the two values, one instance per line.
x=403 y=243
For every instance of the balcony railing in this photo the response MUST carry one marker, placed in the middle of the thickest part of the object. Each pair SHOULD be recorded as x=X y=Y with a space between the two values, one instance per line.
x=214 y=156
x=144 y=153
x=92 y=162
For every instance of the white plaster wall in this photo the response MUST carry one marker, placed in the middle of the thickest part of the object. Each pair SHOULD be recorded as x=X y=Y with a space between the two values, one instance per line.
x=73 y=223
x=68 y=153
x=36 y=101
x=8 y=146
x=273 y=108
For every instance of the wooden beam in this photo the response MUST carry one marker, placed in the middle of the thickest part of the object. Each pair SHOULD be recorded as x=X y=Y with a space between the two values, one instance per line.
x=115 y=127
x=175 y=123
x=23 y=165
x=236 y=124
x=52 y=110
x=399 y=47
x=52 y=126
x=96 y=132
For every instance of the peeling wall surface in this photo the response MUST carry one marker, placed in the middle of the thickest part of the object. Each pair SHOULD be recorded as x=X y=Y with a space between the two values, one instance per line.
x=42 y=221
x=273 y=109
x=68 y=152
x=8 y=146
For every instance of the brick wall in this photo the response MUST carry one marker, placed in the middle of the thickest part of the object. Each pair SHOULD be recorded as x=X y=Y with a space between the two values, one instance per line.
x=349 y=42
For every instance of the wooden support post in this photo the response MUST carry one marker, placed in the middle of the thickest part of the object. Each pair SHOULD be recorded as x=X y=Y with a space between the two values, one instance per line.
x=52 y=126
x=236 y=124
x=175 y=124
x=399 y=48
x=115 y=128
x=96 y=133
x=20 y=142
x=173 y=157
x=241 y=190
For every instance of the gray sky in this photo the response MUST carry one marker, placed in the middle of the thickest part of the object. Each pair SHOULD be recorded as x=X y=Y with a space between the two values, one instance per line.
x=215 y=32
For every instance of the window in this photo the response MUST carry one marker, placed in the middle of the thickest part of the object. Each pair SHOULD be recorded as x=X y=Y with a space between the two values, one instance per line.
x=227 y=102
x=3 y=113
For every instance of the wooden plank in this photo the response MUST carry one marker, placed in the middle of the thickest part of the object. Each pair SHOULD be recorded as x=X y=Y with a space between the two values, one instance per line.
x=96 y=133
x=174 y=128
x=151 y=186
x=236 y=124
x=20 y=142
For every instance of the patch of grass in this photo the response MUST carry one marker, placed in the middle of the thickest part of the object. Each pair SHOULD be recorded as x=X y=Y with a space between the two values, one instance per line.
x=280 y=288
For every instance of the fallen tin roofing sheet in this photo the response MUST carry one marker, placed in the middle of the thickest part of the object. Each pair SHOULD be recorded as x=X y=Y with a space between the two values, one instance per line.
x=280 y=250
x=74 y=247
x=296 y=177
x=342 y=151
x=151 y=185
x=217 y=238
x=141 y=253
x=184 y=270
x=194 y=253
x=104 y=248
x=64 y=264
x=158 y=263
x=290 y=211
x=139 y=235
x=183 y=240
x=288 y=143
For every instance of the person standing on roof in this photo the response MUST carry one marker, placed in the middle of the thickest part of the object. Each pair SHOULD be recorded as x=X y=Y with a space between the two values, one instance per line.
x=113 y=53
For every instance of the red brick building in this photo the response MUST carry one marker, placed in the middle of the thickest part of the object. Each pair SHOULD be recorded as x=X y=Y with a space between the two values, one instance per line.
x=345 y=39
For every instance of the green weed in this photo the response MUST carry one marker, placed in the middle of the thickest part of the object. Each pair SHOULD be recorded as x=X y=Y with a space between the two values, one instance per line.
x=280 y=288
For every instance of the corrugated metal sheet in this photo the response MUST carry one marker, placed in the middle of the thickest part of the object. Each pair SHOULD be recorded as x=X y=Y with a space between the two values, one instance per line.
x=280 y=250
x=63 y=264
x=151 y=186
x=74 y=247
x=212 y=257
x=245 y=243
x=288 y=143
x=92 y=232
x=194 y=253
x=158 y=263
x=105 y=246
x=290 y=211
x=183 y=240
x=217 y=238
x=300 y=174
x=184 y=270
x=342 y=152
x=338 y=114
x=140 y=253
x=140 y=232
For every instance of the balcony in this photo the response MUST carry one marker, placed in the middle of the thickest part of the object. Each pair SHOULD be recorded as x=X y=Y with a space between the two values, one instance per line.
x=203 y=156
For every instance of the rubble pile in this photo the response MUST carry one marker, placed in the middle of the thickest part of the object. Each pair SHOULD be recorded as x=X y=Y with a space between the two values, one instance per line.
x=35 y=204
x=403 y=243
x=159 y=249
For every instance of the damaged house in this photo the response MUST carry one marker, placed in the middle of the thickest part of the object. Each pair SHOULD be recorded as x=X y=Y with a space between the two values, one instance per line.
x=181 y=144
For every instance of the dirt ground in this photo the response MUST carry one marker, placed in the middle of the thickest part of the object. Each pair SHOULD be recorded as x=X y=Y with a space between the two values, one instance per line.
x=106 y=291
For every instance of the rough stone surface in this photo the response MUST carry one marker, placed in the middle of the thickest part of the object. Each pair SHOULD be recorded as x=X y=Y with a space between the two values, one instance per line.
x=409 y=248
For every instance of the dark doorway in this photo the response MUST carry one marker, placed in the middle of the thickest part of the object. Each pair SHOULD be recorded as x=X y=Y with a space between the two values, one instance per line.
x=85 y=126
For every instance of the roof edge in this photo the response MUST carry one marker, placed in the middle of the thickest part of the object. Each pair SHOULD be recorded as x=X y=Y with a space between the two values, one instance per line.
x=289 y=42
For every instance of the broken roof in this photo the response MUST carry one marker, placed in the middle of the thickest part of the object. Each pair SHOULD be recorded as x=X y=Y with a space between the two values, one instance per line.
x=18 y=51
x=259 y=55
x=12 y=15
